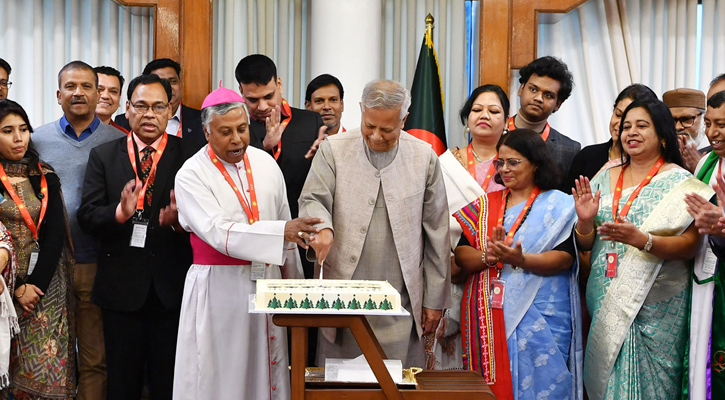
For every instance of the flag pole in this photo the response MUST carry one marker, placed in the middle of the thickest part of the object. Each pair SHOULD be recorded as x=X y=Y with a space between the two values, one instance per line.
x=429 y=26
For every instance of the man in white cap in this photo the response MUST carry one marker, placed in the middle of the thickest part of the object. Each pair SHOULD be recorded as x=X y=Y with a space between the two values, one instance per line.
x=232 y=199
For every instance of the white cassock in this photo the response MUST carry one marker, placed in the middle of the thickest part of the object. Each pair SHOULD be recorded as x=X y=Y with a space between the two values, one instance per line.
x=223 y=351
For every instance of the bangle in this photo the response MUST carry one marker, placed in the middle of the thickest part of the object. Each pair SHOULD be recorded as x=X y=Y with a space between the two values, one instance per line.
x=587 y=235
x=22 y=294
x=521 y=264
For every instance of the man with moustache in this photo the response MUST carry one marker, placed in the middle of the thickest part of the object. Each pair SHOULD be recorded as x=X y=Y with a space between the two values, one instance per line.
x=707 y=338
x=65 y=144
x=184 y=122
x=128 y=205
x=687 y=107
x=110 y=84
x=4 y=76
x=236 y=240
x=324 y=95
x=289 y=134
x=545 y=84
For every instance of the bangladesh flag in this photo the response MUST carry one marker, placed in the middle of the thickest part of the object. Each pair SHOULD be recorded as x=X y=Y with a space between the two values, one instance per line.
x=425 y=120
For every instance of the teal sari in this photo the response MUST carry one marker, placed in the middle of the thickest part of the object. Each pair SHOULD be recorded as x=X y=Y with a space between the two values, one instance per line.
x=638 y=336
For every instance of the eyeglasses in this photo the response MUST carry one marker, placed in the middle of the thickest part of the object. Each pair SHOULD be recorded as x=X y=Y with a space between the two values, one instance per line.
x=687 y=121
x=143 y=108
x=6 y=84
x=513 y=163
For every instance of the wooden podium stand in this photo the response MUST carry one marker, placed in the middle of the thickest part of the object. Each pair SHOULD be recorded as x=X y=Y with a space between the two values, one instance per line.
x=432 y=385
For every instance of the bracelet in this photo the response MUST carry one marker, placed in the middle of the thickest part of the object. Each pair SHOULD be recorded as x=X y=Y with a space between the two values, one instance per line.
x=523 y=260
x=23 y=294
x=587 y=235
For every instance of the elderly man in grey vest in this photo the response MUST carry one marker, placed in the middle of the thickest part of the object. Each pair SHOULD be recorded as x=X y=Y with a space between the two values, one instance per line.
x=380 y=194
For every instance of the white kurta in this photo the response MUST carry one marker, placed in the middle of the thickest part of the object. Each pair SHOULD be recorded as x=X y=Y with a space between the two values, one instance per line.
x=223 y=351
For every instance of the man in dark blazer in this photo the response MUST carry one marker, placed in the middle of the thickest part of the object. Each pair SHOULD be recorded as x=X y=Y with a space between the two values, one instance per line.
x=545 y=84
x=185 y=122
x=289 y=134
x=143 y=255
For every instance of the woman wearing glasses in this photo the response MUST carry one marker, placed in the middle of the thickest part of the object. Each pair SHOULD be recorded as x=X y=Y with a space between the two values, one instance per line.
x=42 y=362
x=634 y=219
x=521 y=301
x=468 y=173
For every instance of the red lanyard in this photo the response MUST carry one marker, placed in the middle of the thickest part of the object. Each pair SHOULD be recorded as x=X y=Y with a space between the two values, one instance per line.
x=620 y=183
x=132 y=158
x=253 y=212
x=472 y=167
x=544 y=135
x=286 y=110
x=21 y=205
x=522 y=214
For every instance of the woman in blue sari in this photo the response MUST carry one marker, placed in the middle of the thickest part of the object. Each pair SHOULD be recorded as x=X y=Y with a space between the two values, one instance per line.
x=634 y=219
x=520 y=309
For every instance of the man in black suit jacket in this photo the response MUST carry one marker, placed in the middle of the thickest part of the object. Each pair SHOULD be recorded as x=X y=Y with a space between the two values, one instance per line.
x=289 y=134
x=185 y=121
x=143 y=255
x=545 y=84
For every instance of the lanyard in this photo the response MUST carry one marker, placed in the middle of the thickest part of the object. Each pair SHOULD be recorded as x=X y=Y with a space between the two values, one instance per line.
x=472 y=167
x=21 y=205
x=132 y=159
x=286 y=110
x=253 y=212
x=544 y=135
x=522 y=214
x=620 y=183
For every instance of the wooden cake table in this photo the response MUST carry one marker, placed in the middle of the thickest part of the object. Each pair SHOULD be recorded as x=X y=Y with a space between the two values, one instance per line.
x=432 y=385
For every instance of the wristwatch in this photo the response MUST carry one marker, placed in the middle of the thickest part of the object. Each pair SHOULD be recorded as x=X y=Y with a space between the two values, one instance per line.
x=648 y=246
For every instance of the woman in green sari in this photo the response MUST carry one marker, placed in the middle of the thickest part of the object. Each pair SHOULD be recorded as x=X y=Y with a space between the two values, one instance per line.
x=634 y=219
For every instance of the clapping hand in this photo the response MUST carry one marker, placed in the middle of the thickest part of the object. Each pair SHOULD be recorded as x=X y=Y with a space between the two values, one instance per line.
x=586 y=202
x=499 y=250
x=707 y=215
x=321 y=135
x=275 y=128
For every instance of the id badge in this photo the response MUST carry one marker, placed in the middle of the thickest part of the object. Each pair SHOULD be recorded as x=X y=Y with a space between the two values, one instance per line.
x=33 y=260
x=138 y=233
x=710 y=263
x=258 y=270
x=611 y=264
x=497 y=289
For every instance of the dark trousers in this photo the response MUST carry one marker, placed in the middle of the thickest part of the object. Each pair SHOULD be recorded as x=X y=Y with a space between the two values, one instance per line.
x=138 y=341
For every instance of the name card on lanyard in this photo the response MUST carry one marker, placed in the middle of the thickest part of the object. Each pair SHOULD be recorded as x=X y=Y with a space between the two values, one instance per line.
x=43 y=196
x=140 y=224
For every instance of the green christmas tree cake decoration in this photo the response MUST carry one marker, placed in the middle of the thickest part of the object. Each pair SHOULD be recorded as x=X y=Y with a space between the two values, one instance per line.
x=322 y=303
x=290 y=303
x=353 y=304
x=274 y=302
x=370 y=304
x=338 y=304
x=306 y=303
x=385 y=304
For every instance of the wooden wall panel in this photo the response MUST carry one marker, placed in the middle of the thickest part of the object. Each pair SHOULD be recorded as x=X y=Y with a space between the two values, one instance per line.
x=183 y=32
x=508 y=35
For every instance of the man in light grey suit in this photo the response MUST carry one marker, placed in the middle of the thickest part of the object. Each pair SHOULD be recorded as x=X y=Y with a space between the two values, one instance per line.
x=380 y=194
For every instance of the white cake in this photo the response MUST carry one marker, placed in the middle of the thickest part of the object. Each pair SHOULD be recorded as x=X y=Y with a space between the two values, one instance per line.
x=328 y=294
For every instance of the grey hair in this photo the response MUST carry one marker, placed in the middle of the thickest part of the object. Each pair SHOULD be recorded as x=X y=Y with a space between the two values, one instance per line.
x=385 y=94
x=220 y=109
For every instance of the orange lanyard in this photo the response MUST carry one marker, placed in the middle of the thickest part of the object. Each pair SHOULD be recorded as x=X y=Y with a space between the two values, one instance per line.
x=252 y=212
x=21 y=205
x=620 y=183
x=472 y=167
x=544 y=135
x=132 y=159
x=522 y=214
x=286 y=110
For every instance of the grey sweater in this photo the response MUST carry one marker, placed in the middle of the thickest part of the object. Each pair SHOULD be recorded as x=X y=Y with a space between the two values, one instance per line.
x=69 y=157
